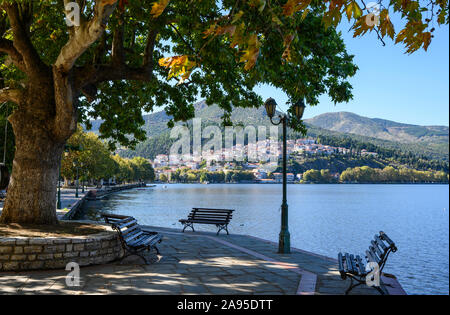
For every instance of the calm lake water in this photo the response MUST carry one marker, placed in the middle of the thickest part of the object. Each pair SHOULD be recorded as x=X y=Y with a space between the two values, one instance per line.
x=324 y=219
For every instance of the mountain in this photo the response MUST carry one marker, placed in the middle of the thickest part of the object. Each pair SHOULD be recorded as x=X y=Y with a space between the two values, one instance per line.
x=346 y=122
x=430 y=141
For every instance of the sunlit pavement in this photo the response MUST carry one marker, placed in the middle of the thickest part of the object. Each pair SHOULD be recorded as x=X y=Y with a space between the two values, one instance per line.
x=198 y=263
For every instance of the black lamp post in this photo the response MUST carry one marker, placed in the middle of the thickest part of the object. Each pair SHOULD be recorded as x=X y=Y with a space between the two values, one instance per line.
x=58 y=203
x=284 y=243
x=82 y=174
x=76 y=189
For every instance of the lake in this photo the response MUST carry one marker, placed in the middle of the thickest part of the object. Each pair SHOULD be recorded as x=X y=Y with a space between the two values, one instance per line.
x=323 y=219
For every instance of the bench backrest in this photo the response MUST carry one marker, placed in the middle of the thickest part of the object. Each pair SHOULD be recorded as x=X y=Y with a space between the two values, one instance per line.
x=126 y=227
x=222 y=215
x=380 y=249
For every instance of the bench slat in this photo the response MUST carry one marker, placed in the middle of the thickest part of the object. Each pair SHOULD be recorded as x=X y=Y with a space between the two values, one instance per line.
x=148 y=239
x=341 y=263
x=353 y=264
x=133 y=236
x=386 y=238
x=348 y=262
x=207 y=217
x=374 y=254
x=379 y=252
x=361 y=266
x=127 y=224
x=370 y=257
x=208 y=221
x=380 y=243
x=130 y=230
x=215 y=210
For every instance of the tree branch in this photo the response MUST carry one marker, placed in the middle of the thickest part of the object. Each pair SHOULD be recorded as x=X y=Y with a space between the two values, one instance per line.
x=12 y=95
x=85 y=35
x=21 y=42
x=88 y=77
x=118 y=55
x=7 y=46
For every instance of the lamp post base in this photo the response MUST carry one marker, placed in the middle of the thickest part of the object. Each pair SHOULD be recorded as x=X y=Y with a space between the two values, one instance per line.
x=284 y=243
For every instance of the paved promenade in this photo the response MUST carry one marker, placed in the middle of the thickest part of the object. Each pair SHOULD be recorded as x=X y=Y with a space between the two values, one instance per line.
x=199 y=263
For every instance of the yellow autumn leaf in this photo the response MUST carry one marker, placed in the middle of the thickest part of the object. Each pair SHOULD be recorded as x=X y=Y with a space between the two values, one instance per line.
x=293 y=6
x=386 y=26
x=426 y=39
x=251 y=54
x=354 y=10
x=305 y=14
x=211 y=30
x=237 y=17
x=179 y=66
x=159 y=7
x=287 y=47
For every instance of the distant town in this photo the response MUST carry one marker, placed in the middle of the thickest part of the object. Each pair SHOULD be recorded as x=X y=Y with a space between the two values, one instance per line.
x=259 y=162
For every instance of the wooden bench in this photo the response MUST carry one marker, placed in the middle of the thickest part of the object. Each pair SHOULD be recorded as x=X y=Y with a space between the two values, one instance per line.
x=219 y=217
x=134 y=240
x=353 y=267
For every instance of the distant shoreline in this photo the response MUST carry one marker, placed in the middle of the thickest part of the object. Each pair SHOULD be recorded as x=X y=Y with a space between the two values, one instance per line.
x=374 y=183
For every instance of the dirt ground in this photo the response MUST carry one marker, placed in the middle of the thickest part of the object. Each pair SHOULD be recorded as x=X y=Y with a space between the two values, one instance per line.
x=63 y=229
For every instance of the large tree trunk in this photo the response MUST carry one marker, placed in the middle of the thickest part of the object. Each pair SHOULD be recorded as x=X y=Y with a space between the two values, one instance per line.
x=38 y=128
x=31 y=196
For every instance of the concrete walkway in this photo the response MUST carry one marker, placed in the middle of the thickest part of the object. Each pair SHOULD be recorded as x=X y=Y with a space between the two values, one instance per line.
x=199 y=263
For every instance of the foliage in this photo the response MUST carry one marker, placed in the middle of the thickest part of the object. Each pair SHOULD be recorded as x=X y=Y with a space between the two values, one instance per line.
x=390 y=174
x=366 y=174
x=167 y=53
x=186 y=175
x=91 y=156
x=218 y=49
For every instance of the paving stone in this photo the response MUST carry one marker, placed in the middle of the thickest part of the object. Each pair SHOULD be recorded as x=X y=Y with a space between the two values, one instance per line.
x=188 y=265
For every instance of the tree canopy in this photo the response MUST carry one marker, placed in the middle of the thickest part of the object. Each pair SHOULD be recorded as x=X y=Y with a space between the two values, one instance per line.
x=63 y=61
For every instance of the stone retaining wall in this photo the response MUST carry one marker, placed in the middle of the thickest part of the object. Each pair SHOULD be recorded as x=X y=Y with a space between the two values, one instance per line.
x=26 y=253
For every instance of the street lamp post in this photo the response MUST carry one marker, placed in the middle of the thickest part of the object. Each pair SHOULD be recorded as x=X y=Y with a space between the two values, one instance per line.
x=284 y=243
x=82 y=174
x=58 y=204
x=76 y=189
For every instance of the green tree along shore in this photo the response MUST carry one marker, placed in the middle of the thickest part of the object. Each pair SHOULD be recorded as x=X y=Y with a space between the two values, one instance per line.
x=360 y=175
x=366 y=174
x=94 y=161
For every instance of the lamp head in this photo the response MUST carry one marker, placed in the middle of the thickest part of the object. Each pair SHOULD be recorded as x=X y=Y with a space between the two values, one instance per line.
x=299 y=109
x=270 y=106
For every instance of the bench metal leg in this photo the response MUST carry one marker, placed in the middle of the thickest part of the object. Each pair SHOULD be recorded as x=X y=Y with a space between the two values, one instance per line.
x=128 y=254
x=379 y=289
x=222 y=227
x=352 y=286
x=191 y=225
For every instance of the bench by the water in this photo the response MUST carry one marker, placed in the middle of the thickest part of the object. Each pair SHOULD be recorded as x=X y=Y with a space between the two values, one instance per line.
x=133 y=239
x=219 y=217
x=353 y=267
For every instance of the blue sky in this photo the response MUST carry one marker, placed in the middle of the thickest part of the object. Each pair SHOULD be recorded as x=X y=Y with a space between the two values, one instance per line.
x=390 y=84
